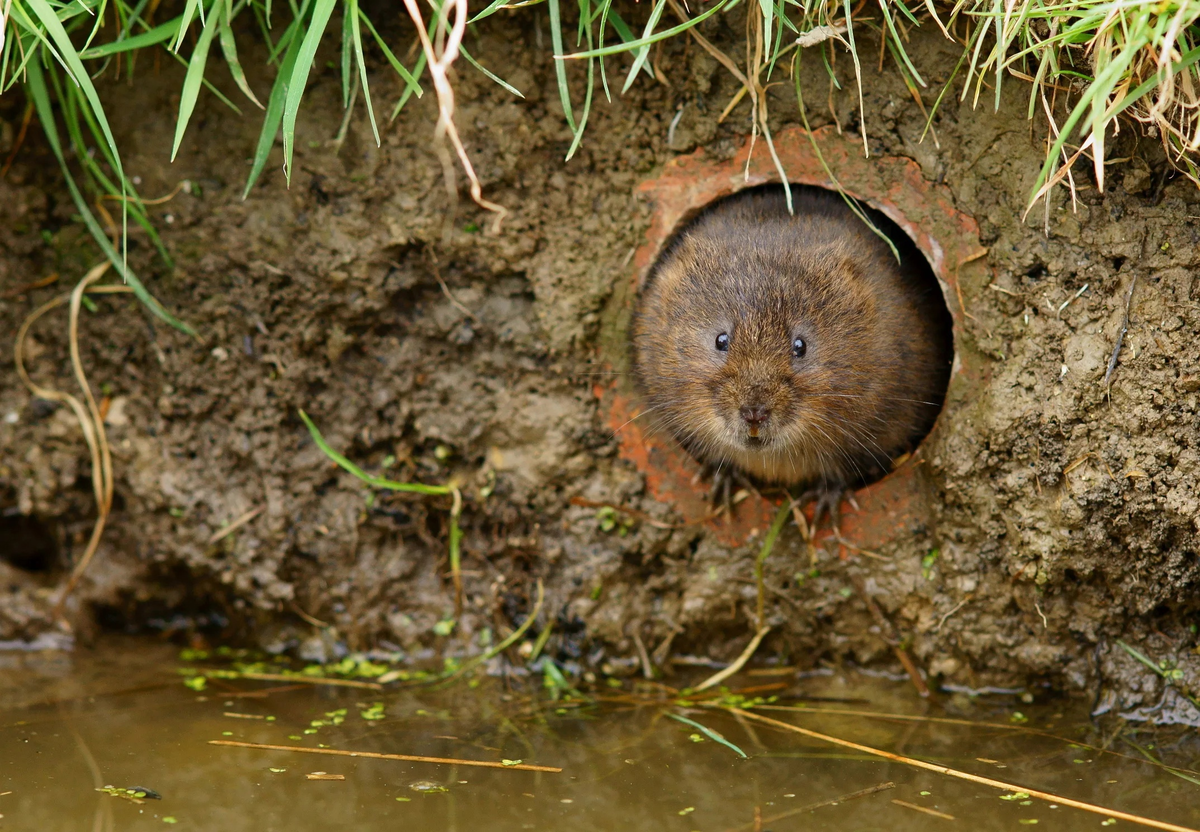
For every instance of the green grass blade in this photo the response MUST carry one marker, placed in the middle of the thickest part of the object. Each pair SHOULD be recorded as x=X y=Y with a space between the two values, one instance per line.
x=492 y=8
x=195 y=74
x=185 y=20
x=891 y=25
x=98 y=20
x=229 y=50
x=591 y=85
x=489 y=74
x=322 y=9
x=156 y=35
x=418 y=68
x=710 y=733
x=347 y=52
x=350 y=467
x=647 y=38
x=273 y=116
x=410 y=80
x=356 y=34
x=560 y=69
x=767 y=7
x=72 y=108
x=70 y=58
x=38 y=93
x=1190 y=57
x=220 y=96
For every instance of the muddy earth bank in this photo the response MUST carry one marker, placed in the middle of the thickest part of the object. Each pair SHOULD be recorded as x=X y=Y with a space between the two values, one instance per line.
x=1064 y=517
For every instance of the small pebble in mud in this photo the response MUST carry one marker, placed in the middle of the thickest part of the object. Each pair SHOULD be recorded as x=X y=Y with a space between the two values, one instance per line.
x=792 y=349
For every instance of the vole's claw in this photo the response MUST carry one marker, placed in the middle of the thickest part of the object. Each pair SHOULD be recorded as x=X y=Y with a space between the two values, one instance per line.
x=726 y=482
x=828 y=501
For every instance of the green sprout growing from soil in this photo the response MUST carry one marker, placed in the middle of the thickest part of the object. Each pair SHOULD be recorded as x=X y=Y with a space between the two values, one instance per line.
x=455 y=533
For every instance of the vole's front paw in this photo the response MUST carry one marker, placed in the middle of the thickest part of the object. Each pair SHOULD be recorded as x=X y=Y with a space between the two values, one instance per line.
x=725 y=482
x=828 y=499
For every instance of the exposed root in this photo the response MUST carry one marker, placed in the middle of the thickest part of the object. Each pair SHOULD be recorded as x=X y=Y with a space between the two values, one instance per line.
x=440 y=57
x=90 y=420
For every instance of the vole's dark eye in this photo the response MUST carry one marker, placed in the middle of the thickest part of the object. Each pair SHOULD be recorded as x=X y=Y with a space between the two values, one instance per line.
x=723 y=342
x=799 y=347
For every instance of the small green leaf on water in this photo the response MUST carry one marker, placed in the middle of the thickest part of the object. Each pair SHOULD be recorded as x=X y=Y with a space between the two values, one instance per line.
x=196 y=683
x=226 y=733
x=1109 y=822
x=695 y=738
x=295 y=737
x=926 y=794
x=1015 y=796
x=1017 y=716
x=511 y=762
x=1026 y=802
x=170 y=819
x=687 y=811
x=404 y=799
x=372 y=712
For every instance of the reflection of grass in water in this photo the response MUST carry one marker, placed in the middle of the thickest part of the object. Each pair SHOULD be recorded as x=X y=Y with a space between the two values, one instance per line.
x=1093 y=60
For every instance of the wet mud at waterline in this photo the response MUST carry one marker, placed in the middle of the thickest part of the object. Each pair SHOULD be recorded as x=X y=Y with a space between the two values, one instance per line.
x=1043 y=537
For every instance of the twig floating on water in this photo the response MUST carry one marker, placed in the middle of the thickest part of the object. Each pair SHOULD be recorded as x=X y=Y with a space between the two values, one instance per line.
x=923 y=809
x=962 y=775
x=882 y=787
x=373 y=755
x=997 y=726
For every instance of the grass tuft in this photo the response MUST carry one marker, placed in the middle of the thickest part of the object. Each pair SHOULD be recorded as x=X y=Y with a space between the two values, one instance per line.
x=1088 y=66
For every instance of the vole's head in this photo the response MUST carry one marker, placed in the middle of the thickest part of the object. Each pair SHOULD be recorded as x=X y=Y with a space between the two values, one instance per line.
x=746 y=346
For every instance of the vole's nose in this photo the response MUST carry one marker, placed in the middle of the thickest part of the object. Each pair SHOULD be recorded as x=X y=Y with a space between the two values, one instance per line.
x=755 y=416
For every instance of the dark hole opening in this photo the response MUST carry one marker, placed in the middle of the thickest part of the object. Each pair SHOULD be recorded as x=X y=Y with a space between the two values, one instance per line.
x=28 y=543
x=916 y=281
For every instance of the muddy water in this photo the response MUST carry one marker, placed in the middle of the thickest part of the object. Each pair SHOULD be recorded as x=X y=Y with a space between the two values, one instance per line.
x=119 y=715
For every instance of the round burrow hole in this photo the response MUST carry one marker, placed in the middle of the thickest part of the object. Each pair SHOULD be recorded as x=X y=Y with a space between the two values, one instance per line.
x=29 y=544
x=799 y=342
x=939 y=251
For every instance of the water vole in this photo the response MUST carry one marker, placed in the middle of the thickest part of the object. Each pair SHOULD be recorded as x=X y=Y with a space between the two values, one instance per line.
x=793 y=349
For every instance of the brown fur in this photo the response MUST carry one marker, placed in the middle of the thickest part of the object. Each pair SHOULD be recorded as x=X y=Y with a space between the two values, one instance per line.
x=877 y=334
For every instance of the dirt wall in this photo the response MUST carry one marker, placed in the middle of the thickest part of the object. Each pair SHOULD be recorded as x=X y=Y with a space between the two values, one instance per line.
x=1058 y=516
